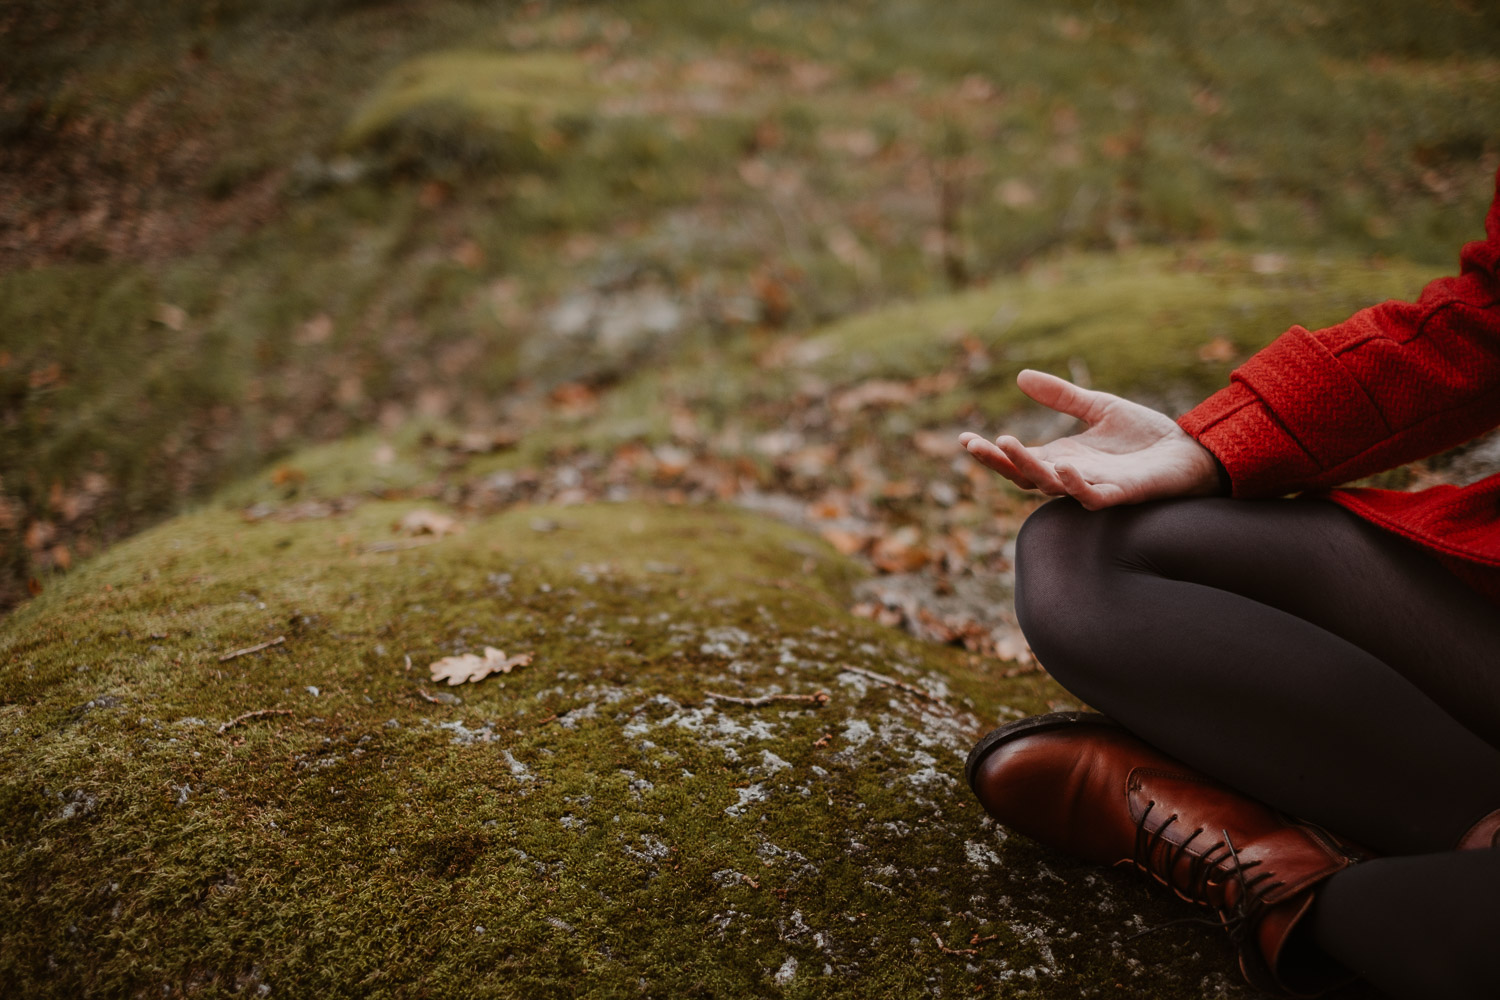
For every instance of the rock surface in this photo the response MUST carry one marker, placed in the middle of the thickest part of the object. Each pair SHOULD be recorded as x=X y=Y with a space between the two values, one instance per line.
x=312 y=819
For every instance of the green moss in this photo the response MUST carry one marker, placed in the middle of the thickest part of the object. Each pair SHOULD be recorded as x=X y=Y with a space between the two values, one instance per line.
x=472 y=106
x=1136 y=322
x=594 y=822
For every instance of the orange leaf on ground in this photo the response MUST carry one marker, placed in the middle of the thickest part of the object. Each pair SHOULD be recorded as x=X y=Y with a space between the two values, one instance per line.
x=900 y=551
x=847 y=542
x=1218 y=349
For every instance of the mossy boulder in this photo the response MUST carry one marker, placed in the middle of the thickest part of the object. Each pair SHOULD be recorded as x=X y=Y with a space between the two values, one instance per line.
x=600 y=822
x=476 y=107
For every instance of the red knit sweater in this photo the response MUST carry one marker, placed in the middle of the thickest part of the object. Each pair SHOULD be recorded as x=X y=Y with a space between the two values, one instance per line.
x=1391 y=384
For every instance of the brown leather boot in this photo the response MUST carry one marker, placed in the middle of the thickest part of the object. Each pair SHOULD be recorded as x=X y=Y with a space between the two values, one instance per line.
x=1483 y=835
x=1077 y=782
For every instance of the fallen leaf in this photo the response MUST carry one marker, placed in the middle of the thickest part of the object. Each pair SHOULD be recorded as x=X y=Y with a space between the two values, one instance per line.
x=428 y=522
x=39 y=534
x=875 y=392
x=287 y=475
x=469 y=254
x=1218 y=349
x=316 y=330
x=575 y=399
x=900 y=489
x=47 y=377
x=471 y=667
x=829 y=507
x=847 y=542
x=900 y=551
x=170 y=316
x=671 y=461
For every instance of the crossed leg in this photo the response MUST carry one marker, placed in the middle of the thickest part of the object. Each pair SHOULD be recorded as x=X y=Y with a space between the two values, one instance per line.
x=1298 y=654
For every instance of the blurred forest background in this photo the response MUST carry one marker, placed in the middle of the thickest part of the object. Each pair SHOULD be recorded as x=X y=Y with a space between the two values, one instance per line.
x=613 y=239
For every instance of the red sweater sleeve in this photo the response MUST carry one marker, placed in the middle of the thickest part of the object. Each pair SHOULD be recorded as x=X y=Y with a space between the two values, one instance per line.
x=1393 y=383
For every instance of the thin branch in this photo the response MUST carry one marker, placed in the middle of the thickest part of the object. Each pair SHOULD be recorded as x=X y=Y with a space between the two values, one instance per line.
x=952 y=951
x=257 y=714
x=253 y=649
x=892 y=682
x=816 y=698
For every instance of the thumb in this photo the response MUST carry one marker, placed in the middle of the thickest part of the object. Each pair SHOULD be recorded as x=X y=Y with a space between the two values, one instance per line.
x=1058 y=394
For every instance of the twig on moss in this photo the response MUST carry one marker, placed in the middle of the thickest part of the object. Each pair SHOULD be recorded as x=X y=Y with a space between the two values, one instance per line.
x=253 y=649
x=257 y=714
x=952 y=951
x=892 y=682
x=816 y=698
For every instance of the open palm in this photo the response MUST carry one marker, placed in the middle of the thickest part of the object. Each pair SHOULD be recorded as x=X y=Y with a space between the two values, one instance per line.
x=1129 y=453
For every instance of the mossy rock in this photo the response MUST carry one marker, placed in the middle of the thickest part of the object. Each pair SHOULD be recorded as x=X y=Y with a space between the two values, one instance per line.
x=595 y=823
x=476 y=107
x=1153 y=321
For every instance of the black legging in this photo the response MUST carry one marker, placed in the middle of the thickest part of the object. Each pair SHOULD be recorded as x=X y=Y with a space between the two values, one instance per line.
x=1314 y=662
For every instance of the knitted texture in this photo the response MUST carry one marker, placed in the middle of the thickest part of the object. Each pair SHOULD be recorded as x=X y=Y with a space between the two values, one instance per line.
x=1393 y=383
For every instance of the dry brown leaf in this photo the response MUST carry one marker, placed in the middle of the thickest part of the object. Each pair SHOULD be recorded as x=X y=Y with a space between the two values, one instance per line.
x=900 y=551
x=316 y=330
x=472 y=667
x=575 y=399
x=287 y=475
x=847 y=542
x=830 y=506
x=1218 y=349
x=900 y=489
x=170 y=316
x=875 y=392
x=428 y=522
x=469 y=254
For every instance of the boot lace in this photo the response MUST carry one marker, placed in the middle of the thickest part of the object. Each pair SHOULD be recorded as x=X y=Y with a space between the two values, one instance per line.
x=1209 y=864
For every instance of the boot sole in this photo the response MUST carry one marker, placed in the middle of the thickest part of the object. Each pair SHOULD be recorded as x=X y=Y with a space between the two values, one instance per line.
x=1023 y=727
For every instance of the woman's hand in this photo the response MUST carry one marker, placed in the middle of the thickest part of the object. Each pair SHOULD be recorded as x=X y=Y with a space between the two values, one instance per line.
x=1129 y=453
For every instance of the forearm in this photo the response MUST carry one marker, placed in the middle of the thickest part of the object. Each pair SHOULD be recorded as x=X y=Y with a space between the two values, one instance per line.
x=1396 y=382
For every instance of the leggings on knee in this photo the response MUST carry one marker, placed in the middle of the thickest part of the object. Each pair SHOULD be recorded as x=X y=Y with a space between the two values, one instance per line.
x=1300 y=655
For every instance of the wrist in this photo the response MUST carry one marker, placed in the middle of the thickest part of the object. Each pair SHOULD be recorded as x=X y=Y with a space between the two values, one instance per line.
x=1210 y=477
x=1223 y=485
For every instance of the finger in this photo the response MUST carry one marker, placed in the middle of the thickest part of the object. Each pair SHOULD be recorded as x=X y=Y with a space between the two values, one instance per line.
x=1058 y=394
x=1027 y=464
x=1093 y=496
x=994 y=459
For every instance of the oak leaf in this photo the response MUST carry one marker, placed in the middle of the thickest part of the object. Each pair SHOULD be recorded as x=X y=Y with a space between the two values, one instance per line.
x=472 y=667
